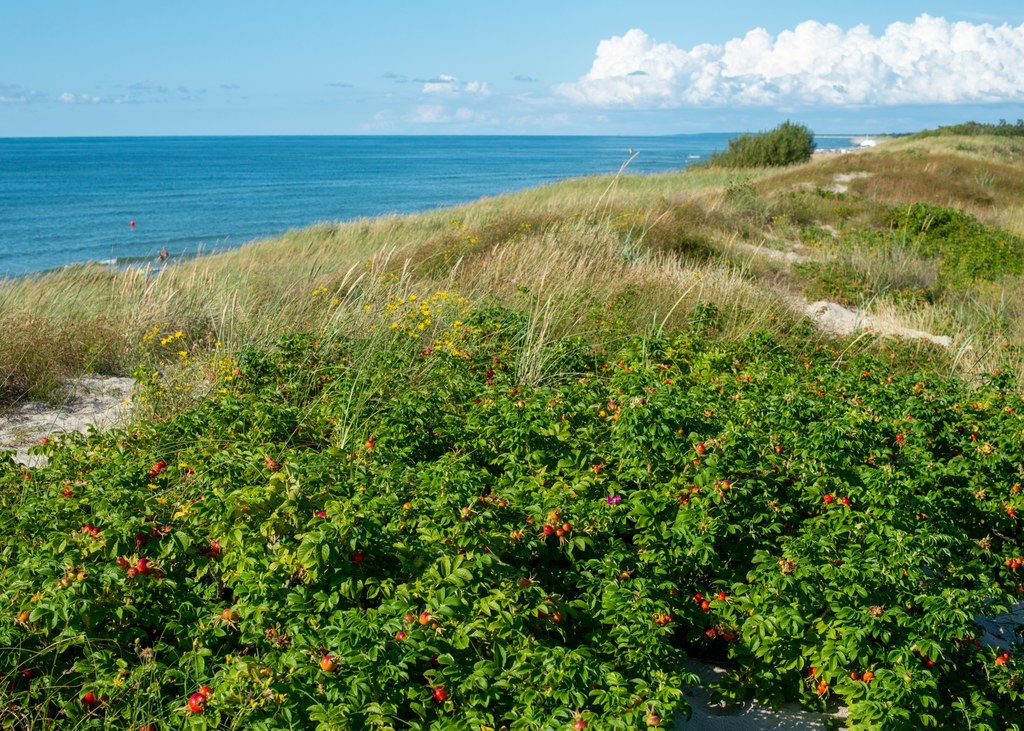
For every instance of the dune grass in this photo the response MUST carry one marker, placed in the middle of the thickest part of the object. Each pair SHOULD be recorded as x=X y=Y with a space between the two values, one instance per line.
x=652 y=248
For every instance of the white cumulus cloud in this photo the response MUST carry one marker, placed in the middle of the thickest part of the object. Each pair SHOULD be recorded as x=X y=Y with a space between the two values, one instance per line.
x=927 y=61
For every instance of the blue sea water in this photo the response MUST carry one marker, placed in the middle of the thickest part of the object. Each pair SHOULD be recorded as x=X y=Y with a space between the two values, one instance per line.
x=71 y=200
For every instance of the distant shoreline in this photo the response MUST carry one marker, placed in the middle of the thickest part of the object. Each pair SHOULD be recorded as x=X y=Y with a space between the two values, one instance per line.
x=860 y=142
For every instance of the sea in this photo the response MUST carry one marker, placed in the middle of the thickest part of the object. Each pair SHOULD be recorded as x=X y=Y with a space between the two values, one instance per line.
x=121 y=200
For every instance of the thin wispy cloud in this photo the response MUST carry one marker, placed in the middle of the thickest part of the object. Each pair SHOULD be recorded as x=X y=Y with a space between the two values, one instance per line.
x=429 y=114
x=340 y=85
x=69 y=98
x=148 y=87
x=927 y=61
x=381 y=121
x=144 y=92
x=439 y=114
x=451 y=86
x=1018 y=18
x=15 y=94
x=524 y=79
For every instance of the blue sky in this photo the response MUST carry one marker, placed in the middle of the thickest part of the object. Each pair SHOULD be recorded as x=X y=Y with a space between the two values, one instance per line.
x=555 y=67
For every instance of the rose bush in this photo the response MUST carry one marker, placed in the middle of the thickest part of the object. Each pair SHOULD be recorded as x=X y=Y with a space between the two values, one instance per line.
x=422 y=539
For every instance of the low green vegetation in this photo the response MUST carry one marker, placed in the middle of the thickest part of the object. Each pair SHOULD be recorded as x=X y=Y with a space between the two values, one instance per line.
x=510 y=465
x=407 y=533
x=1002 y=129
x=967 y=251
x=934 y=251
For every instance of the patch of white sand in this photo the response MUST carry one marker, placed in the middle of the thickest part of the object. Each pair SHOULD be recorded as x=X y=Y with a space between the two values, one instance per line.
x=841 y=180
x=840 y=320
x=791 y=256
x=89 y=402
x=1000 y=631
x=750 y=716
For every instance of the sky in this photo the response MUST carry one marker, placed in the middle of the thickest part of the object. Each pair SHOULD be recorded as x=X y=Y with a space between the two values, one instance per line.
x=263 y=67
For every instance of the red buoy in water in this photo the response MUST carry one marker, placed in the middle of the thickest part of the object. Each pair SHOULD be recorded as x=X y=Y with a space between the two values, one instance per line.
x=131 y=224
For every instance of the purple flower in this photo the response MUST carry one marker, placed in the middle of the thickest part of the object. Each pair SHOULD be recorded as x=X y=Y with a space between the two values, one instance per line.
x=613 y=499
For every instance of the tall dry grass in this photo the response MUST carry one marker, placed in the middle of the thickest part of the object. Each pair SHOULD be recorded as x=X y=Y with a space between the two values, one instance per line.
x=983 y=176
x=655 y=245
x=92 y=318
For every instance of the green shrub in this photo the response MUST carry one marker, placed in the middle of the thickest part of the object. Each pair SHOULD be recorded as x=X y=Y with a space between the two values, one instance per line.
x=968 y=251
x=787 y=144
x=491 y=554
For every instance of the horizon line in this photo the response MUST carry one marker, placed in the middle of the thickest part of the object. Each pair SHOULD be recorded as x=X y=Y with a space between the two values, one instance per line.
x=823 y=135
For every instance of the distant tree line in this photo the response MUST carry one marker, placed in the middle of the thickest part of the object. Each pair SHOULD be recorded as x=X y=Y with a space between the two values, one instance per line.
x=1002 y=129
x=787 y=144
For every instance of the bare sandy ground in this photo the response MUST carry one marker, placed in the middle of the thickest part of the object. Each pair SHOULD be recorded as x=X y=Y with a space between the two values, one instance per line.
x=750 y=716
x=90 y=402
x=845 y=321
